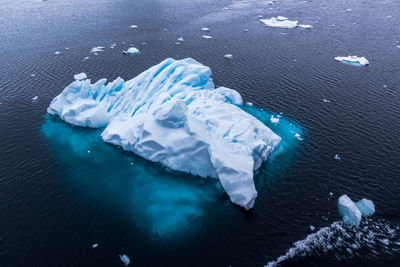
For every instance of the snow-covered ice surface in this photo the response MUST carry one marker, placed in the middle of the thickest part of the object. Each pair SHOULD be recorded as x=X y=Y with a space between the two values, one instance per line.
x=375 y=236
x=173 y=114
x=353 y=60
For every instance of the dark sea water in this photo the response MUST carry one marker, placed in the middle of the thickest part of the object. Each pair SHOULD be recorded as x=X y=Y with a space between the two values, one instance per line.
x=63 y=189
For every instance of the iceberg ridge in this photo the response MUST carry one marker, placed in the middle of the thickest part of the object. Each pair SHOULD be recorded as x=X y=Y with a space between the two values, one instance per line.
x=173 y=114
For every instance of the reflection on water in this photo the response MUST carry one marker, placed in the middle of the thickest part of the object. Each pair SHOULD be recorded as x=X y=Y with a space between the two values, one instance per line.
x=160 y=202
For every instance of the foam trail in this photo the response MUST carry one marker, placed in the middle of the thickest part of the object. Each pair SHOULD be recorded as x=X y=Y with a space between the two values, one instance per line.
x=376 y=236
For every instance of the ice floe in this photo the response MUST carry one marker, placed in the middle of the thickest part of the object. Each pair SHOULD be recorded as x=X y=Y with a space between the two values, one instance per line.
x=283 y=22
x=206 y=36
x=81 y=76
x=228 y=56
x=125 y=259
x=132 y=51
x=97 y=49
x=353 y=60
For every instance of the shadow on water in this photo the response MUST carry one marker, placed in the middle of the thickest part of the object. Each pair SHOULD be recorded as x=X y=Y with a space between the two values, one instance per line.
x=160 y=202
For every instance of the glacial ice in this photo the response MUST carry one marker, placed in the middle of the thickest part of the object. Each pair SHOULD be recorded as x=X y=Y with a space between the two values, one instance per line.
x=353 y=60
x=283 y=22
x=173 y=114
x=366 y=207
x=80 y=76
x=132 y=51
x=352 y=212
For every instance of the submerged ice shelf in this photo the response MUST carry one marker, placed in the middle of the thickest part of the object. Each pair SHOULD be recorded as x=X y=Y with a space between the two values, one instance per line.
x=173 y=114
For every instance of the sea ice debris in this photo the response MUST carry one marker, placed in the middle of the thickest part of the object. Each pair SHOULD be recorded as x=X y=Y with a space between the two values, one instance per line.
x=81 y=76
x=206 y=36
x=97 y=49
x=337 y=157
x=366 y=207
x=353 y=60
x=205 y=29
x=132 y=51
x=125 y=259
x=274 y=120
x=274 y=22
x=229 y=56
x=349 y=211
x=95 y=245
x=180 y=39
x=134 y=26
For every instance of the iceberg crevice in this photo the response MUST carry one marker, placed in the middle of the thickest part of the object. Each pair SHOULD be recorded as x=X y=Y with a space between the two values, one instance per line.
x=173 y=114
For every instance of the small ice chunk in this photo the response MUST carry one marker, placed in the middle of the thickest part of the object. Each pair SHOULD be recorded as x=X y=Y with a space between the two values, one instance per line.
x=353 y=60
x=245 y=30
x=312 y=228
x=337 y=157
x=281 y=18
x=205 y=29
x=330 y=193
x=35 y=98
x=274 y=120
x=86 y=58
x=249 y=104
x=81 y=76
x=95 y=245
x=305 y=26
x=180 y=39
x=134 y=26
x=349 y=211
x=57 y=52
x=366 y=207
x=298 y=136
x=228 y=56
x=113 y=45
x=125 y=259
x=326 y=100
x=206 y=36
x=33 y=75
x=132 y=51
x=348 y=10
x=274 y=22
x=259 y=16
x=97 y=49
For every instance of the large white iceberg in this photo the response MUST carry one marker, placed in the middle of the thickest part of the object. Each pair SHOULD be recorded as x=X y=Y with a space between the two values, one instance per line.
x=352 y=212
x=173 y=114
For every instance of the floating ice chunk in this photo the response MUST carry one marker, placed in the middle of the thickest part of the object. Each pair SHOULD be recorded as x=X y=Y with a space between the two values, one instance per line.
x=330 y=193
x=95 y=245
x=326 y=100
x=259 y=16
x=274 y=120
x=366 y=207
x=97 y=49
x=134 y=26
x=35 y=98
x=173 y=114
x=337 y=157
x=132 y=51
x=274 y=22
x=205 y=29
x=249 y=104
x=57 y=52
x=281 y=18
x=113 y=45
x=81 y=76
x=86 y=58
x=180 y=39
x=33 y=75
x=298 y=136
x=305 y=26
x=312 y=228
x=349 y=211
x=353 y=60
x=125 y=259
x=228 y=56
x=206 y=36
x=348 y=10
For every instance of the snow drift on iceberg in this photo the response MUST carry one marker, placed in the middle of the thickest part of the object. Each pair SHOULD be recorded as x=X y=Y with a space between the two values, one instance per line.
x=173 y=114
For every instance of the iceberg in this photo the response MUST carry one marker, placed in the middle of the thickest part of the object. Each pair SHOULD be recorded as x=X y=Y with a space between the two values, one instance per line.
x=80 y=76
x=352 y=212
x=353 y=60
x=173 y=114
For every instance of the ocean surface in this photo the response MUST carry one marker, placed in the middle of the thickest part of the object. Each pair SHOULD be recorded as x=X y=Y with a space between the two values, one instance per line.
x=62 y=189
